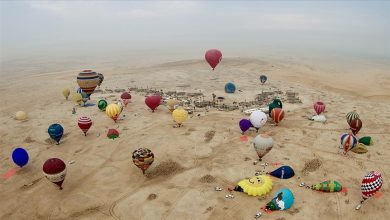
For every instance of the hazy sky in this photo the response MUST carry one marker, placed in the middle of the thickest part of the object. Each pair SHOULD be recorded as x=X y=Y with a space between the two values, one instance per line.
x=188 y=28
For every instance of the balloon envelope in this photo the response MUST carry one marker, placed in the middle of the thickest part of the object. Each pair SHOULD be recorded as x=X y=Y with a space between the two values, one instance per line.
x=65 y=93
x=263 y=144
x=258 y=119
x=113 y=111
x=355 y=125
x=327 y=186
x=143 y=158
x=276 y=103
x=277 y=114
x=319 y=107
x=263 y=79
x=256 y=186
x=88 y=80
x=153 y=101
x=20 y=115
x=283 y=172
x=283 y=200
x=84 y=123
x=112 y=133
x=101 y=79
x=230 y=88
x=371 y=184
x=20 y=157
x=348 y=141
x=213 y=57
x=102 y=104
x=351 y=115
x=245 y=124
x=56 y=131
x=54 y=170
x=180 y=115
x=77 y=98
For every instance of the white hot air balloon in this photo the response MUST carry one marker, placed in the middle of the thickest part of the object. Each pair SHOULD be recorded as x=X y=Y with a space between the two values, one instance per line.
x=258 y=119
x=263 y=144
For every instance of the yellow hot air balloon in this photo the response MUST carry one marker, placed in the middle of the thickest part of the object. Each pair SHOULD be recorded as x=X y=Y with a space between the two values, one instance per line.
x=256 y=186
x=180 y=116
x=171 y=104
x=66 y=93
x=78 y=98
x=113 y=111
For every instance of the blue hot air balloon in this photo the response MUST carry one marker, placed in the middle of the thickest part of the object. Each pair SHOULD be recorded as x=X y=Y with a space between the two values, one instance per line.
x=284 y=172
x=20 y=157
x=283 y=200
x=230 y=88
x=263 y=79
x=56 y=131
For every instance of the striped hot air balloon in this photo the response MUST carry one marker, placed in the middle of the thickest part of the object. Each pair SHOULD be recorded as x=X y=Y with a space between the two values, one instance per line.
x=88 y=80
x=277 y=115
x=327 y=186
x=351 y=115
x=113 y=111
x=348 y=141
x=84 y=123
x=371 y=184
x=319 y=107
x=54 y=170
x=355 y=125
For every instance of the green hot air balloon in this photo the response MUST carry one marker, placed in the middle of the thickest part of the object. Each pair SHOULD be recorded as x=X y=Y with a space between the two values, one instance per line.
x=327 y=186
x=102 y=104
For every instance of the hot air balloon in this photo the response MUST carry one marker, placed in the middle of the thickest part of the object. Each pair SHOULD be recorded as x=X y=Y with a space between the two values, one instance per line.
x=101 y=78
x=283 y=200
x=56 y=131
x=263 y=79
x=245 y=124
x=113 y=111
x=355 y=125
x=258 y=119
x=327 y=186
x=153 y=101
x=84 y=123
x=20 y=115
x=277 y=115
x=230 y=88
x=348 y=141
x=371 y=184
x=66 y=93
x=88 y=80
x=351 y=115
x=171 y=104
x=319 y=107
x=263 y=144
x=143 y=158
x=255 y=186
x=283 y=172
x=213 y=57
x=77 y=98
x=112 y=133
x=120 y=104
x=20 y=157
x=102 y=104
x=126 y=98
x=54 y=170
x=276 y=103
x=367 y=140
x=180 y=116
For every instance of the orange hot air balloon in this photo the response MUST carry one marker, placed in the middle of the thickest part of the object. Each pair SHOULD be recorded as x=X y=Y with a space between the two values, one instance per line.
x=277 y=115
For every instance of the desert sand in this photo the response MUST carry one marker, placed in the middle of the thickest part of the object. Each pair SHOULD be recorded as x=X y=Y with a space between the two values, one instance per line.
x=190 y=161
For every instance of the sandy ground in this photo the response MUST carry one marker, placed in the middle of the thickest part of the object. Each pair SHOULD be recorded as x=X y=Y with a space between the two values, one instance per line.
x=104 y=184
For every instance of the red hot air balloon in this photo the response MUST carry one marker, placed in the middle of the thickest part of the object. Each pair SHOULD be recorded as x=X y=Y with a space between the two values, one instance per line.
x=277 y=115
x=319 y=107
x=54 y=170
x=153 y=101
x=355 y=125
x=126 y=98
x=85 y=123
x=213 y=57
x=371 y=184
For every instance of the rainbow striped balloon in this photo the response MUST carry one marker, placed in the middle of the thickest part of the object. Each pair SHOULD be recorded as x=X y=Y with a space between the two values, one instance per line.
x=88 y=80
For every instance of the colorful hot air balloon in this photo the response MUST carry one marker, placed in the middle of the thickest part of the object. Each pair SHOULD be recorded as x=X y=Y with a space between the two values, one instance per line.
x=327 y=186
x=263 y=144
x=213 y=57
x=113 y=111
x=348 y=141
x=66 y=93
x=283 y=200
x=84 y=123
x=263 y=79
x=258 y=119
x=276 y=103
x=56 y=131
x=102 y=104
x=112 y=133
x=351 y=115
x=54 y=170
x=255 y=186
x=101 y=78
x=277 y=114
x=126 y=98
x=153 y=101
x=20 y=157
x=355 y=125
x=244 y=124
x=371 y=184
x=180 y=116
x=283 y=172
x=319 y=107
x=230 y=88
x=143 y=158
x=88 y=80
